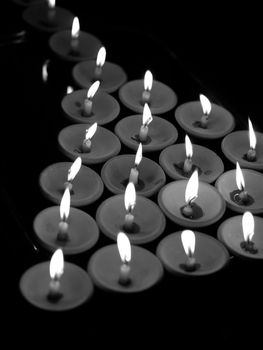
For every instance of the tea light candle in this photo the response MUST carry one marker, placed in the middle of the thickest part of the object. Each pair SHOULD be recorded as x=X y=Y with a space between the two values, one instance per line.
x=110 y=273
x=48 y=17
x=56 y=286
x=242 y=190
x=146 y=120
x=87 y=187
x=191 y=203
x=136 y=93
x=204 y=120
x=244 y=147
x=145 y=223
x=66 y=227
x=110 y=75
x=242 y=235
x=102 y=109
x=180 y=160
x=74 y=45
x=115 y=175
x=105 y=144
x=161 y=133
x=191 y=253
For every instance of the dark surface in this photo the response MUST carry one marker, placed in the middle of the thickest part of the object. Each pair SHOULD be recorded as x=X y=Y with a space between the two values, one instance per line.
x=217 y=307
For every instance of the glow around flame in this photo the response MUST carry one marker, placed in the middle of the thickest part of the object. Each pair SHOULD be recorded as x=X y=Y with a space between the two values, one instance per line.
x=240 y=181
x=75 y=28
x=93 y=89
x=248 y=226
x=188 y=147
x=148 y=81
x=191 y=191
x=51 y=3
x=130 y=197
x=205 y=103
x=138 y=156
x=124 y=247
x=90 y=132
x=65 y=205
x=252 y=135
x=188 y=241
x=101 y=57
x=44 y=70
x=56 y=266
x=147 y=115
x=74 y=169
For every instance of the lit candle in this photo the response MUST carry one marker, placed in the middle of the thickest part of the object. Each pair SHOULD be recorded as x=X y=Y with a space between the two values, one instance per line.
x=45 y=70
x=146 y=120
x=72 y=172
x=101 y=58
x=88 y=101
x=74 y=44
x=148 y=82
x=56 y=270
x=188 y=241
x=51 y=10
x=191 y=194
x=69 y=89
x=64 y=214
x=189 y=154
x=248 y=226
x=134 y=170
x=251 y=154
x=241 y=195
x=206 y=107
x=129 y=203
x=90 y=132
x=124 y=248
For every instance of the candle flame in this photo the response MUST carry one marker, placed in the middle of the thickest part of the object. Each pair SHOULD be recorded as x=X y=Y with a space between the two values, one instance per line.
x=191 y=191
x=148 y=80
x=248 y=226
x=239 y=178
x=188 y=147
x=124 y=247
x=147 y=115
x=93 y=89
x=188 y=241
x=75 y=28
x=44 y=70
x=205 y=103
x=65 y=205
x=69 y=90
x=74 y=169
x=91 y=131
x=130 y=197
x=56 y=266
x=101 y=57
x=51 y=3
x=138 y=156
x=252 y=135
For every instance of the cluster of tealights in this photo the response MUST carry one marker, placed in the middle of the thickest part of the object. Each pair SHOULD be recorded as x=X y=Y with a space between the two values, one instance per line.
x=129 y=217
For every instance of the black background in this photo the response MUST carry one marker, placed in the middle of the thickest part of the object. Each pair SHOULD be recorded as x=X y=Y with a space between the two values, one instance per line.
x=192 y=48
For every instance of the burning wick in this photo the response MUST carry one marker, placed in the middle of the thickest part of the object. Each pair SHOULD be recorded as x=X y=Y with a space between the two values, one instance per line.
x=191 y=193
x=146 y=120
x=101 y=58
x=51 y=13
x=129 y=203
x=72 y=172
x=88 y=101
x=242 y=195
x=86 y=145
x=206 y=106
x=134 y=173
x=251 y=153
x=248 y=225
x=74 y=44
x=56 y=270
x=189 y=153
x=148 y=82
x=124 y=248
x=188 y=241
x=64 y=214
